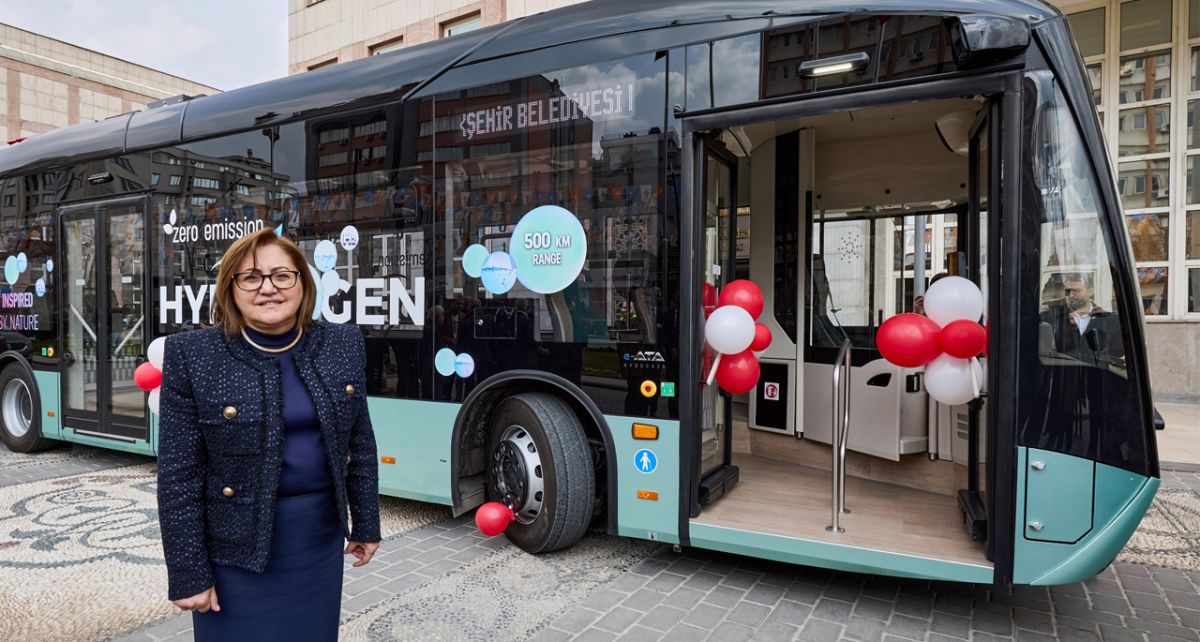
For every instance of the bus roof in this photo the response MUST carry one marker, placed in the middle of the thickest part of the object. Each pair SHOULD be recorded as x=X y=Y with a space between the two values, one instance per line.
x=387 y=77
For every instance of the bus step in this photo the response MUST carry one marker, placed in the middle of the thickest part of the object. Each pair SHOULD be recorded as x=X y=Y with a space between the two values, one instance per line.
x=974 y=514
x=716 y=484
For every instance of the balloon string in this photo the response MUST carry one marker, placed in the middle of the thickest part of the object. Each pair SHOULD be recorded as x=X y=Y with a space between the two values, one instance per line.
x=713 y=373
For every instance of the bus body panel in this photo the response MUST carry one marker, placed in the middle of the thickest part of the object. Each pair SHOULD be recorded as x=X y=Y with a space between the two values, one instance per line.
x=418 y=435
x=47 y=383
x=1118 y=503
x=855 y=559
x=1058 y=492
x=136 y=446
x=648 y=505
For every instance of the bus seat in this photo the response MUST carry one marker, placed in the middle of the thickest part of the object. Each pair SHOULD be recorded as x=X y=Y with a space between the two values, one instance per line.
x=886 y=420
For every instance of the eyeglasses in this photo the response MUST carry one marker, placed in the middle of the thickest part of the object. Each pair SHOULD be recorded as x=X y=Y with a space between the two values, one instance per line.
x=251 y=281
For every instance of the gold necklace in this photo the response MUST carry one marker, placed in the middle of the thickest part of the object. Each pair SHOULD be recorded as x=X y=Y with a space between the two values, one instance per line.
x=299 y=333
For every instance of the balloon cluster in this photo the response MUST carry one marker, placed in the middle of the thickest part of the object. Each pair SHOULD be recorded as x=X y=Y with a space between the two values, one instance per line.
x=731 y=330
x=946 y=341
x=148 y=376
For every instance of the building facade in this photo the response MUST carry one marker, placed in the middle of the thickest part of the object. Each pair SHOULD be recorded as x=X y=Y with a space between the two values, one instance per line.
x=1143 y=57
x=46 y=84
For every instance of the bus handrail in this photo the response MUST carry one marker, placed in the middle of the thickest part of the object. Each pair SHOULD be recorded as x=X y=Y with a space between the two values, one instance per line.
x=841 y=426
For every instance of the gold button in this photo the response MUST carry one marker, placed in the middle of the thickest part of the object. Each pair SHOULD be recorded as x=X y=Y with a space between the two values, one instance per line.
x=227 y=491
x=349 y=388
x=230 y=412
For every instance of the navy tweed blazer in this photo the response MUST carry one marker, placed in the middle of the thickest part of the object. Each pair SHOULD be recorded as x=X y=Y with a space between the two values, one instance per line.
x=220 y=446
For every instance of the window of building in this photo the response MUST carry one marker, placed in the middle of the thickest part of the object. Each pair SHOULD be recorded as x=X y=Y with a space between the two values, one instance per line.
x=205 y=183
x=462 y=25
x=176 y=180
x=154 y=179
x=323 y=63
x=387 y=45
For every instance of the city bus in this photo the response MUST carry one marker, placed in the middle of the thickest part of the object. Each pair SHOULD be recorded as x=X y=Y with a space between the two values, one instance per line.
x=527 y=223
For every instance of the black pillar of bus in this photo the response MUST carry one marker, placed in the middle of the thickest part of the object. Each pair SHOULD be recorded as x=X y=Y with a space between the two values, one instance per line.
x=1004 y=241
x=690 y=321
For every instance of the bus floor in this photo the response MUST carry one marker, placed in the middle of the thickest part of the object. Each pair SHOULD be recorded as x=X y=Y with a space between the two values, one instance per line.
x=792 y=500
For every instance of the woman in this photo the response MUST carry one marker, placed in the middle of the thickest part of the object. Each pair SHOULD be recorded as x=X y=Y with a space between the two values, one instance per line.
x=264 y=445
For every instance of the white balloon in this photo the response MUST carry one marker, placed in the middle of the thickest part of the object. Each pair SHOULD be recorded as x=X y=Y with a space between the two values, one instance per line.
x=729 y=329
x=953 y=381
x=155 y=351
x=152 y=400
x=953 y=298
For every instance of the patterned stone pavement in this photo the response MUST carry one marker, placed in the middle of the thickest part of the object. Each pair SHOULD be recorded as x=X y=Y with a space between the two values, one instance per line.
x=438 y=579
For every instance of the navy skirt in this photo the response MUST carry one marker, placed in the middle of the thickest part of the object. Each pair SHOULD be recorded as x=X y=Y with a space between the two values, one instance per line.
x=299 y=595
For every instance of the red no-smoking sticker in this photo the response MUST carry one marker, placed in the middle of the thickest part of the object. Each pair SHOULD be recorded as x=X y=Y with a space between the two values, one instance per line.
x=771 y=391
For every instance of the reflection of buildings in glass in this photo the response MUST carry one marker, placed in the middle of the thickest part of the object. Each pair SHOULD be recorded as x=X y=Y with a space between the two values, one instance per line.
x=207 y=187
x=1144 y=184
x=348 y=162
x=898 y=46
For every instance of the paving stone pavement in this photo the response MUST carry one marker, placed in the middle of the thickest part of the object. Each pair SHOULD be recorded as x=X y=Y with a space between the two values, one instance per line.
x=63 y=460
x=701 y=595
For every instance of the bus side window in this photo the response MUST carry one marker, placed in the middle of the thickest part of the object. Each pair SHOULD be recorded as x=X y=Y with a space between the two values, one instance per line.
x=1077 y=393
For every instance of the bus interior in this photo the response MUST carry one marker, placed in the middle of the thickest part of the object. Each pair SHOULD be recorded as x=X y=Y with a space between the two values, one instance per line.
x=842 y=219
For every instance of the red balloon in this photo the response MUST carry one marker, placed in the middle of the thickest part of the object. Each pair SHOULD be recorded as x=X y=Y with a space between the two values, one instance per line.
x=908 y=340
x=963 y=339
x=147 y=377
x=745 y=295
x=762 y=338
x=709 y=299
x=492 y=518
x=737 y=373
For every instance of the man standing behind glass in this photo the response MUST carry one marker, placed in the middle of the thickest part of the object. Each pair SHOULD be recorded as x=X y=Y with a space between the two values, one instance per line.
x=1084 y=330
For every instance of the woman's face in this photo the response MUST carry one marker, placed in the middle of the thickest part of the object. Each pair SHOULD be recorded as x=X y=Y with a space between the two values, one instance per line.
x=268 y=308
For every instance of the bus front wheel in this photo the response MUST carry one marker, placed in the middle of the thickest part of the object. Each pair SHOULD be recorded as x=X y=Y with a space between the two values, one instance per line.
x=541 y=466
x=22 y=425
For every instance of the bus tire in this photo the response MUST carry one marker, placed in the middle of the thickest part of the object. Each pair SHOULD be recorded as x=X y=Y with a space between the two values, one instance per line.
x=540 y=464
x=20 y=422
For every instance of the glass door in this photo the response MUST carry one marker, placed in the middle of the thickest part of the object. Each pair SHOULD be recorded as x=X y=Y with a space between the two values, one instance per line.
x=717 y=225
x=103 y=255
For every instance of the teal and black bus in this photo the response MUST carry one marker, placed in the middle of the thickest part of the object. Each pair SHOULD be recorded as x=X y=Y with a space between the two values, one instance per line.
x=525 y=222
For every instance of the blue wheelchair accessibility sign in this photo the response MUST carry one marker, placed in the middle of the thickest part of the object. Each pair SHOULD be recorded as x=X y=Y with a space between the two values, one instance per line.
x=645 y=461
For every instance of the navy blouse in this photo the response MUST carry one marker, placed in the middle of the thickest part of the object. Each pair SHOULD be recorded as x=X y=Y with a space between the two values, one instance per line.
x=305 y=462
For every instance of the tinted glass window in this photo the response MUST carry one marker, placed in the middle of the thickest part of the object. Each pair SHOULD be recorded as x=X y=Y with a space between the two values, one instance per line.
x=27 y=223
x=1083 y=399
x=896 y=47
x=561 y=250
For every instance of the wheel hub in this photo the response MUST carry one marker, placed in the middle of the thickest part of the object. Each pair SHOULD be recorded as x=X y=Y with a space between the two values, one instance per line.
x=517 y=473
x=16 y=404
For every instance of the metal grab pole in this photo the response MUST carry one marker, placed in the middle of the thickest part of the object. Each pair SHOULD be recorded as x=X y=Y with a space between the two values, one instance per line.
x=845 y=432
x=841 y=413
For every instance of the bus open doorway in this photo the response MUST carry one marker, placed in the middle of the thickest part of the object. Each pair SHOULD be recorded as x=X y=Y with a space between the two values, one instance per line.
x=843 y=219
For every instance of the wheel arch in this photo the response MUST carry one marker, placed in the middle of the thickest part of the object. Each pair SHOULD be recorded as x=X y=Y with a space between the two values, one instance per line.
x=12 y=356
x=35 y=393
x=469 y=434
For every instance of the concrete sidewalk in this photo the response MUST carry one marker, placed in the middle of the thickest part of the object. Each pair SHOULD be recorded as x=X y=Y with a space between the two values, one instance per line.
x=1180 y=442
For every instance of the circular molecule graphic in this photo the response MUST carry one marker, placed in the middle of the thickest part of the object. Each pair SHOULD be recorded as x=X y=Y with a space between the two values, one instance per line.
x=11 y=272
x=49 y=265
x=472 y=260
x=499 y=273
x=464 y=365
x=549 y=248
x=331 y=283
x=22 y=263
x=349 y=238
x=443 y=361
x=40 y=287
x=325 y=255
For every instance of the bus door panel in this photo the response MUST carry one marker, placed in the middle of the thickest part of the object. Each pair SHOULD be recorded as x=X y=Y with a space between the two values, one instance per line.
x=718 y=196
x=103 y=256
